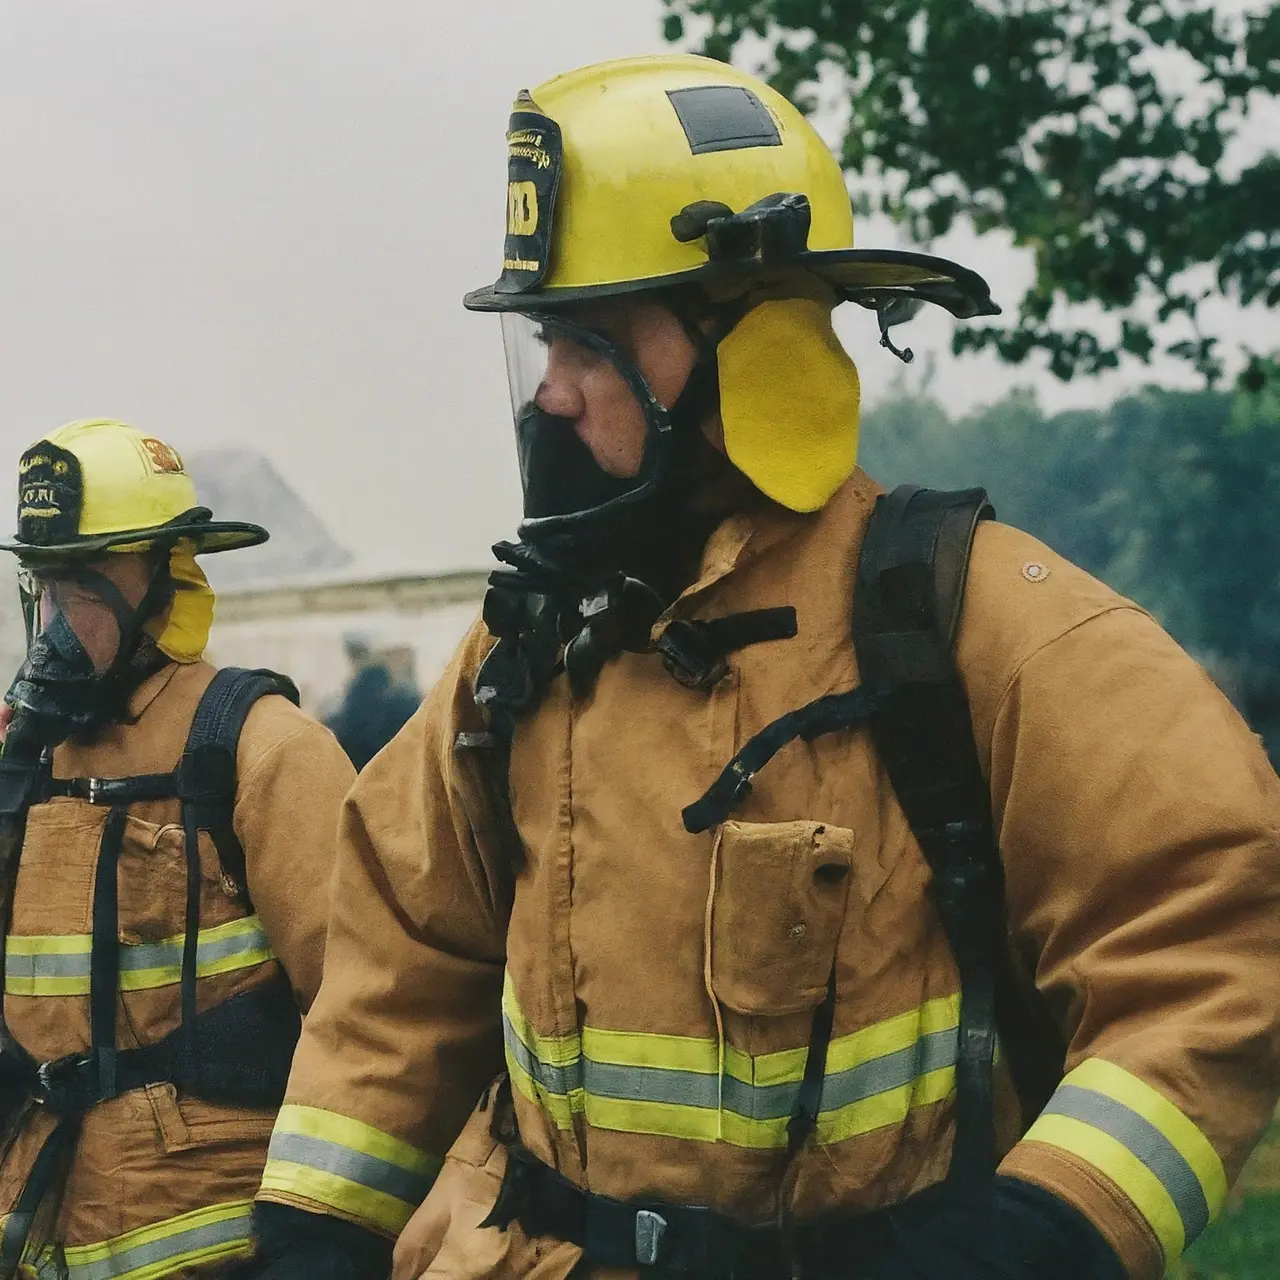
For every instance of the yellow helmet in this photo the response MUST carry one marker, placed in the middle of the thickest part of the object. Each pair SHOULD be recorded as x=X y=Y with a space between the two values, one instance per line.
x=652 y=171
x=658 y=173
x=98 y=486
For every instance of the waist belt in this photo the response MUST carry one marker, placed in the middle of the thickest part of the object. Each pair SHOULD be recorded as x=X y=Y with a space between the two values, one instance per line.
x=242 y=1052
x=686 y=1240
x=243 y=1049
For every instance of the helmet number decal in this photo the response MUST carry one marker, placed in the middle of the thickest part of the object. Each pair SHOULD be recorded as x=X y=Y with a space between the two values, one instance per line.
x=522 y=209
x=534 y=155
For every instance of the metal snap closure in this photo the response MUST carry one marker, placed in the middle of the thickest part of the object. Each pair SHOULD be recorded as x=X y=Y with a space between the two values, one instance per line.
x=650 y=1229
x=798 y=930
x=1034 y=571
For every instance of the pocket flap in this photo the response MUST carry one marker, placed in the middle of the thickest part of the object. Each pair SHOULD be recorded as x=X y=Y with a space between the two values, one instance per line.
x=777 y=915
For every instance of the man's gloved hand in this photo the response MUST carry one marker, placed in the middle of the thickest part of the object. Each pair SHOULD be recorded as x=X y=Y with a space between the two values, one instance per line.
x=1013 y=1231
x=295 y=1245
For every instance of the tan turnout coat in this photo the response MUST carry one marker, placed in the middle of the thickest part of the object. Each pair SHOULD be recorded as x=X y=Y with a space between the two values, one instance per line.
x=652 y=994
x=158 y=1184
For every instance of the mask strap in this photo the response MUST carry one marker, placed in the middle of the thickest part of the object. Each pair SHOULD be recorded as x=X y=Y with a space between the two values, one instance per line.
x=129 y=621
x=700 y=395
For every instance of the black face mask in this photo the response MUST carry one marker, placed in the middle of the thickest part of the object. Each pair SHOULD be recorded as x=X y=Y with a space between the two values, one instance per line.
x=58 y=692
x=559 y=473
x=57 y=688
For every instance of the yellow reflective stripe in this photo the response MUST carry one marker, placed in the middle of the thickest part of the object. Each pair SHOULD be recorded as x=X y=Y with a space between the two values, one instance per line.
x=882 y=1110
x=347 y=1165
x=556 y=1050
x=673 y=1053
x=686 y=1053
x=58 y=965
x=1110 y=1156
x=211 y=1234
x=892 y=1035
x=560 y=1107
x=673 y=1120
x=671 y=1085
x=1140 y=1141
x=1154 y=1107
x=376 y=1208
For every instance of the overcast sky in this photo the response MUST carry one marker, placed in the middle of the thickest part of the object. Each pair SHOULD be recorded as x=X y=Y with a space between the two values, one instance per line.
x=250 y=222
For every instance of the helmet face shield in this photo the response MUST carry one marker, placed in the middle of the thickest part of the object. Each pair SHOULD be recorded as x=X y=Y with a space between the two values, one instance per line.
x=78 y=637
x=56 y=602
x=559 y=373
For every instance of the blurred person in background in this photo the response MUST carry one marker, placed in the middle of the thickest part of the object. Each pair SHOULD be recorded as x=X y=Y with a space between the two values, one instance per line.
x=167 y=832
x=675 y=934
x=376 y=702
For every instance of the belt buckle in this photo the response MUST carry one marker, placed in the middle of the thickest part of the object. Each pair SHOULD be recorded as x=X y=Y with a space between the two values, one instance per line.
x=651 y=1228
x=55 y=1078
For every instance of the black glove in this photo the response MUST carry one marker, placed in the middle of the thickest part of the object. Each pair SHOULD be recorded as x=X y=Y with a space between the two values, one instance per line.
x=1010 y=1231
x=295 y=1245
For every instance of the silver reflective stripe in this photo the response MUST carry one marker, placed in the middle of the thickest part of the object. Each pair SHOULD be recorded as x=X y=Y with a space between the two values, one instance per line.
x=47 y=966
x=162 y=960
x=167 y=955
x=1145 y=1141
x=561 y=1080
x=166 y=1249
x=932 y=1052
x=355 y=1166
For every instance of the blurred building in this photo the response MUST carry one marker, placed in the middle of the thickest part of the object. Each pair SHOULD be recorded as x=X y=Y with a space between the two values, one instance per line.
x=291 y=603
x=412 y=623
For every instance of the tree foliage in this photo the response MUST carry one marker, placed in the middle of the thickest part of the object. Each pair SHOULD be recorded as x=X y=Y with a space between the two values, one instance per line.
x=1098 y=132
x=1168 y=496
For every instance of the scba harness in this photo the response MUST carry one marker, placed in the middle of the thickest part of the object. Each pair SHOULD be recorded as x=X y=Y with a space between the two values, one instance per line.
x=910 y=588
x=236 y=1053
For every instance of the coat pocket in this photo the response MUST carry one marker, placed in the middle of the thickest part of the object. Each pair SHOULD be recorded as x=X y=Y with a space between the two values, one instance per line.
x=777 y=914
x=54 y=890
x=187 y=1124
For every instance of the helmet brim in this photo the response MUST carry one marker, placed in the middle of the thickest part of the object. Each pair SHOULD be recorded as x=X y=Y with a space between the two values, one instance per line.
x=207 y=537
x=871 y=277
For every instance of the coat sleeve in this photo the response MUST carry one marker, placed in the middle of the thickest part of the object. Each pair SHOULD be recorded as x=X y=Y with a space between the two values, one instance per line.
x=406 y=1031
x=293 y=778
x=1139 y=821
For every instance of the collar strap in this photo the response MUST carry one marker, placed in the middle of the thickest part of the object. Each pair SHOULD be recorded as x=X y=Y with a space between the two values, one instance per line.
x=693 y=650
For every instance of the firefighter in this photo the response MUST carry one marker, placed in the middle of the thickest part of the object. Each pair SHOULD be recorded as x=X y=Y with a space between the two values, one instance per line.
x=710 y=843
x=167 y=834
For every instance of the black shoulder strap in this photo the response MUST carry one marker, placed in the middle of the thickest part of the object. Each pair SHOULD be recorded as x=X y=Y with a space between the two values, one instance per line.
x=907 y=604
x=207 y=774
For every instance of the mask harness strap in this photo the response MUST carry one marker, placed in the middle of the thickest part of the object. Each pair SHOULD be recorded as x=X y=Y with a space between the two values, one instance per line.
x=116 y=685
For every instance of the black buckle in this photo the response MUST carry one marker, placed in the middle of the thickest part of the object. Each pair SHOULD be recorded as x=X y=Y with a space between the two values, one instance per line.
x=66 y=1084
x=690 y=656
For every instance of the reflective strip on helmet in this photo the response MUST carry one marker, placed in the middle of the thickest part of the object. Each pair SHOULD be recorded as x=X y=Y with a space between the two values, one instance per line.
x=1142 y=1143
x=673 y=1086
x=196 y=1239
x=348 y=1166
x=59 y=964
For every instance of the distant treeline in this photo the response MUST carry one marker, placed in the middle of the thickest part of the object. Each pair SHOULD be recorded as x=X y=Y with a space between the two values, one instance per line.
x=1172 y=498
